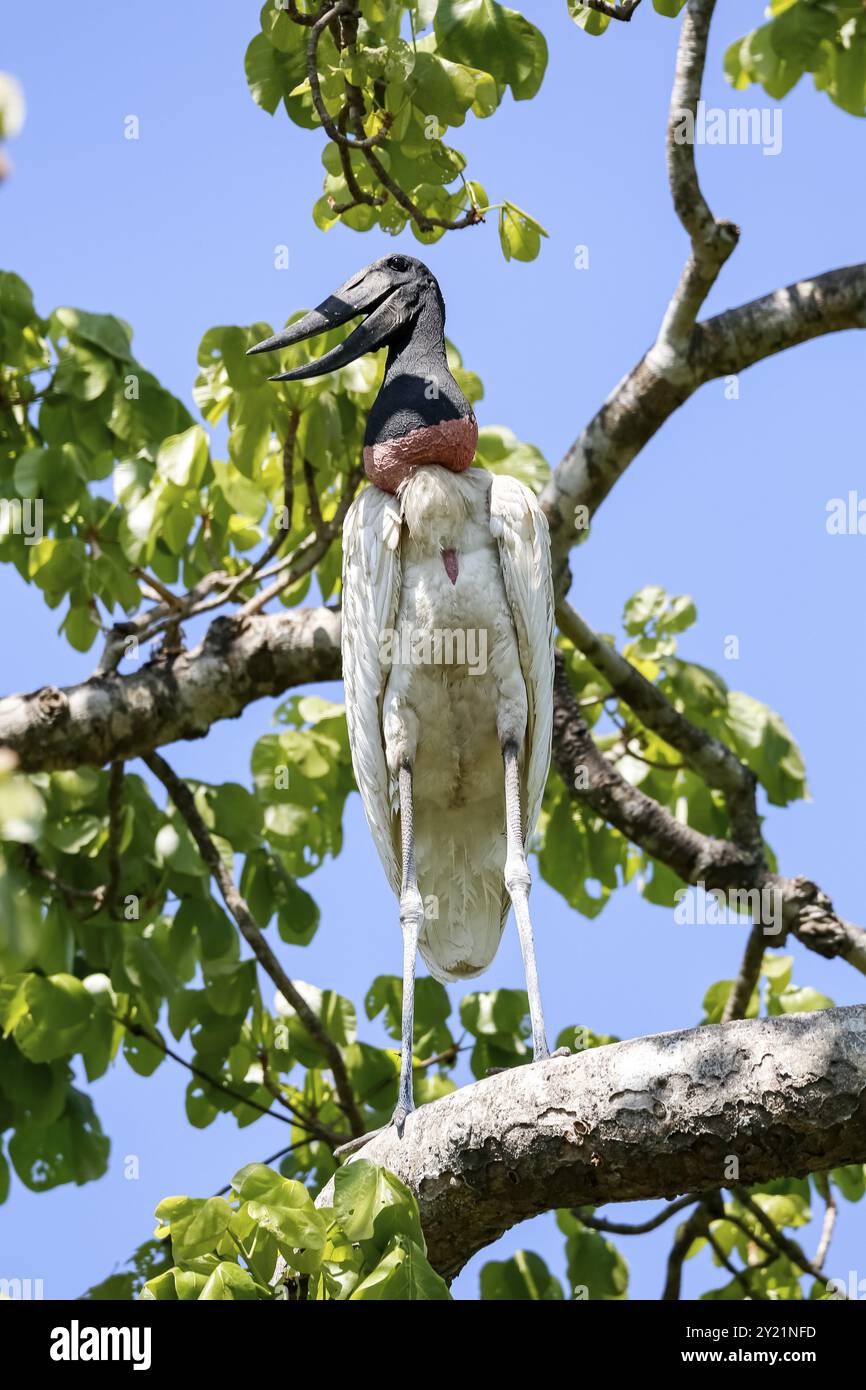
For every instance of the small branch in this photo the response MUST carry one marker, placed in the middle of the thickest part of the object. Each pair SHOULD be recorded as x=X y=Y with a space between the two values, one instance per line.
x=308 y=555
x=309 y=1122
x=156 y=1041
x=831 y=1211
x=740 y=1275
x=185 y=803
x=624 y=10
x=783 y=1243
x=718 y=864
x=333 y=130
x=621 y=1228
x=747 y=980
x=697 y=1225
x=644 y=400
x=711 y=759
x=115 y=830
x=711 y=241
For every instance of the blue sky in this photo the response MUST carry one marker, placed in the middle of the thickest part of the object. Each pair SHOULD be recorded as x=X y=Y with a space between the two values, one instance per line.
x=176 y=232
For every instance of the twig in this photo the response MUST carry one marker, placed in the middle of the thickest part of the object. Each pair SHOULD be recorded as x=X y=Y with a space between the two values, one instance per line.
x=115 y=829
x=139 y=1032
x=323 y=1132
x=784 y=1244
x=272 y=1158
x=830 y=1214
x=711 y=759
x=740 y=1275
x=621 y=1228
x=185 y=803
x=623 y=11
x=338 y=136
x=308 y=553
x=749 y=973
x=697 y=1225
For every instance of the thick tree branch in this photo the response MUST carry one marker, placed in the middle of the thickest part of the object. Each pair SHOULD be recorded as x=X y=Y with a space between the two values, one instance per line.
x=696 y=858
x=122 y=716
x=644 y=400
x=648 y=1118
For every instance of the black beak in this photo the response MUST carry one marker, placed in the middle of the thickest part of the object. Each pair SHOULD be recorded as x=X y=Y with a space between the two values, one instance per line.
x=372 y=292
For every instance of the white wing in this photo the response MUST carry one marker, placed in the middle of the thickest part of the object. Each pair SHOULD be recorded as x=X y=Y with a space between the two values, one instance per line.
x=371 y=592
x=520 y=527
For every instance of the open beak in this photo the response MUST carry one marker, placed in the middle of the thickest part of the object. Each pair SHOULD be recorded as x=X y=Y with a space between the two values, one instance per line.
x=373 y=293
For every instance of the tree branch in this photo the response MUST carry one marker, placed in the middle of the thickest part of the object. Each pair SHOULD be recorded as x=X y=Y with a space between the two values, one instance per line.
x=644 y=400
x=696 y=858
x=712 y=241
x=711 y=759
x=622 y=10
x=234 y=901
x=648 y=1118
x=113 y=716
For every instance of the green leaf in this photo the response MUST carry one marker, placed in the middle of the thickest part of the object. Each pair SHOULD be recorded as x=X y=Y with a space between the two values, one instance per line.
x=102 y=330
x=523 y=1278
x=766 y=744
x=487 y=35
x=71 y=1149
x=404 y=1273
x=363 y=1192
x=596 y=1269
x=281 y=1206
x=182 y=459
x=197 y=1225
x=229 y=1281
x=59 y=1017
x=519 y=234
x=799 y=1001
x=22 y=810
x=587 y=19
x=500 y=451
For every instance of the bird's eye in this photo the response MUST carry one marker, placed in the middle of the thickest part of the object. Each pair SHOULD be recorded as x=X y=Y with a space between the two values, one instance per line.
x=398 y=263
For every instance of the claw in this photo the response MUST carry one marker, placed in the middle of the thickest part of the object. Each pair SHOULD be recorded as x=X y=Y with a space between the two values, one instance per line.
x=397 y=1121
x=545 y=1056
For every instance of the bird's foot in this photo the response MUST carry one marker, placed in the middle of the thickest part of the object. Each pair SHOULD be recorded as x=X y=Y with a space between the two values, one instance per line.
x=545 y=1056
x=397 y=1121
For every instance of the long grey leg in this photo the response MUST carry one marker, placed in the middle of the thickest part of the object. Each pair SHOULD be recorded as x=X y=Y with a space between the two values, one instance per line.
x=411 y=918
x=518 y=883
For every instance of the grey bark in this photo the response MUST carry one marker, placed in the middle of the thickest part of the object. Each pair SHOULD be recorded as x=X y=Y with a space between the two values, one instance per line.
x=649 y=1118
x=721 y=346
x=697 y=858
x=112 y=716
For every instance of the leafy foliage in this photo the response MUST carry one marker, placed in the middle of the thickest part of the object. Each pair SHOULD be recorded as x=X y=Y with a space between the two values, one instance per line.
x=826 y=39
x=133 y=503
x=580 y=855
x=270 y=1242
x=404 y=95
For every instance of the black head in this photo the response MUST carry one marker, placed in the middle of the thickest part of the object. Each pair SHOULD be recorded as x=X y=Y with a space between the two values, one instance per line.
x=390 y=292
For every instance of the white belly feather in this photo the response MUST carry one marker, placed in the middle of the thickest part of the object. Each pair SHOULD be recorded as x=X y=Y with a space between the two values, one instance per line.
x=454 y=695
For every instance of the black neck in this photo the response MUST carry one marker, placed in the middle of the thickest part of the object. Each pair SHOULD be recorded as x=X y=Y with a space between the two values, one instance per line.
x=418 y=389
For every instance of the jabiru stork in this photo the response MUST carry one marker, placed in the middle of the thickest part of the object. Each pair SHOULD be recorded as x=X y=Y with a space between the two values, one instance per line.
x=450 y=757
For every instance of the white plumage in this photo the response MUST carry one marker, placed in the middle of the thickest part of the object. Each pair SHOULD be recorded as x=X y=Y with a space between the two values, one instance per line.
x=448 y=711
